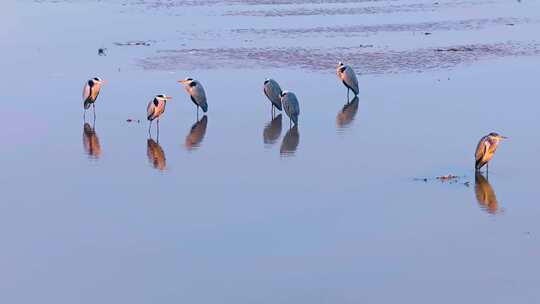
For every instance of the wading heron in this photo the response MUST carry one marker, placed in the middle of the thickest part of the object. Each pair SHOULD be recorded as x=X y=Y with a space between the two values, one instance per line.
x=196 y=92
x=155 y=108
x=486 y=149
x=272 y=90
x=90 y=93
x=348 y=77
x=291 y=106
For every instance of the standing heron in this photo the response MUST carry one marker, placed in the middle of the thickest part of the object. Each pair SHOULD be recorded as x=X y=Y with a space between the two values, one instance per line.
x=291 y=106
x=272 y=90
x=155 y=108
x=196 y=91
x=90 y=93
x=348 y=77
x=486 y=149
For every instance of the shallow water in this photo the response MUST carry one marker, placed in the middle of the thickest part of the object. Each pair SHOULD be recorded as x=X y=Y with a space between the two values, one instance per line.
x=234 y=206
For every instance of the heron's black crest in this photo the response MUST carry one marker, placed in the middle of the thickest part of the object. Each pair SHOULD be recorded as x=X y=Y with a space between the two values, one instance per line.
x=494 y=134
x=96 y=79
x=192 y=84
x=189 y=79
x=266 y=81
x=161 y=96
x=156 y=102
x=282 y=94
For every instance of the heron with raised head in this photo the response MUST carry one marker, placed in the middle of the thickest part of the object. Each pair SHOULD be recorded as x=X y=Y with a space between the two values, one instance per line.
x=90 y=93
x=291 y=106
x=486 y=149
x=155 y=109
x=196 y=92
x=346 y=74
x=272 y=90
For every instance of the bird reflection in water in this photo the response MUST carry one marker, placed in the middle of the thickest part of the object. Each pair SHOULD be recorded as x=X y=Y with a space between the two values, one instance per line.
x=485 y=195
x=272 y=131
x=346 y=115
x=290 y=142
x=156 y=156
x=196 y=134
x=91 y=141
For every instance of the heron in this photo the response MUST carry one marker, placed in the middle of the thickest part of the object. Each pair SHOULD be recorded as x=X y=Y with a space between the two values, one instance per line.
x=90 y=93
x=196 y=92
x=291 y=106
x=272 y=90
x=486 y=149
x=155 y=109
x=348 y=77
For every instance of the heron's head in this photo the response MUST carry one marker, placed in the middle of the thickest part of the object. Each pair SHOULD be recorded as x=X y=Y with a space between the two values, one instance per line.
x=98 y=80
x=283 y=93
x=186 y=81
x=163 y=97
x=340 y=63
x=267 y=80
x=497 y=136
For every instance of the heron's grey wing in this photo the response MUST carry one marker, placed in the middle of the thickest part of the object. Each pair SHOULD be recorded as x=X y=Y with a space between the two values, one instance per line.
x=198 y=94
x=351 y=80
x=481 y=151
x=86 y=92
x=150 y=110
x=273 y=92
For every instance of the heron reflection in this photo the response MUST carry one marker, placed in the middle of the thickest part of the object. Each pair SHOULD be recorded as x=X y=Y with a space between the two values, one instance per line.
x=485 y=195
x=272 y=131
x=196 y=134
x=156 y=155
x=290 y=142
x=346 y=115
x=91 y=141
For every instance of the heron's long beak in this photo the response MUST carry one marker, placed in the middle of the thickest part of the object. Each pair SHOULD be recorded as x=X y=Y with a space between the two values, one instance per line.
x=182 y=81
x=504 y=137
x=168 y=97
x=103 y=81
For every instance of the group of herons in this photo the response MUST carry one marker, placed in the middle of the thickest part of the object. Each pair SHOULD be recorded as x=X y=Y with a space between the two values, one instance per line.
x=281 y=100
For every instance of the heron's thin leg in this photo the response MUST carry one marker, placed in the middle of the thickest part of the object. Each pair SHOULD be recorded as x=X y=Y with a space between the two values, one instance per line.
x=197 y=113
x=487 y=170
x=157 y=136
x=348 y=94
x=149 y=128
x=94 y=108
x=84 y=115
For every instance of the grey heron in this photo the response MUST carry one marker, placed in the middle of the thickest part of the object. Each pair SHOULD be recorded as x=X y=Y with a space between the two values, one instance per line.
x=155 y=109
x=486 y=149
x=196 y=92
x=196 y=134
x=90 y=93
x=156 y=155
x=272 y=90
x=290 y=105
x=348 y=77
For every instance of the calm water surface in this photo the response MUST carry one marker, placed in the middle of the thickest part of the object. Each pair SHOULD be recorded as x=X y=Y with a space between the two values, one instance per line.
x=236 y=207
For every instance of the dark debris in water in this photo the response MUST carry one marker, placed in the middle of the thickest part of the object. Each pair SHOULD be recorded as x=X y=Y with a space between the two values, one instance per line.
x=133 y=43
x=450 y=178
x=371 y=60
